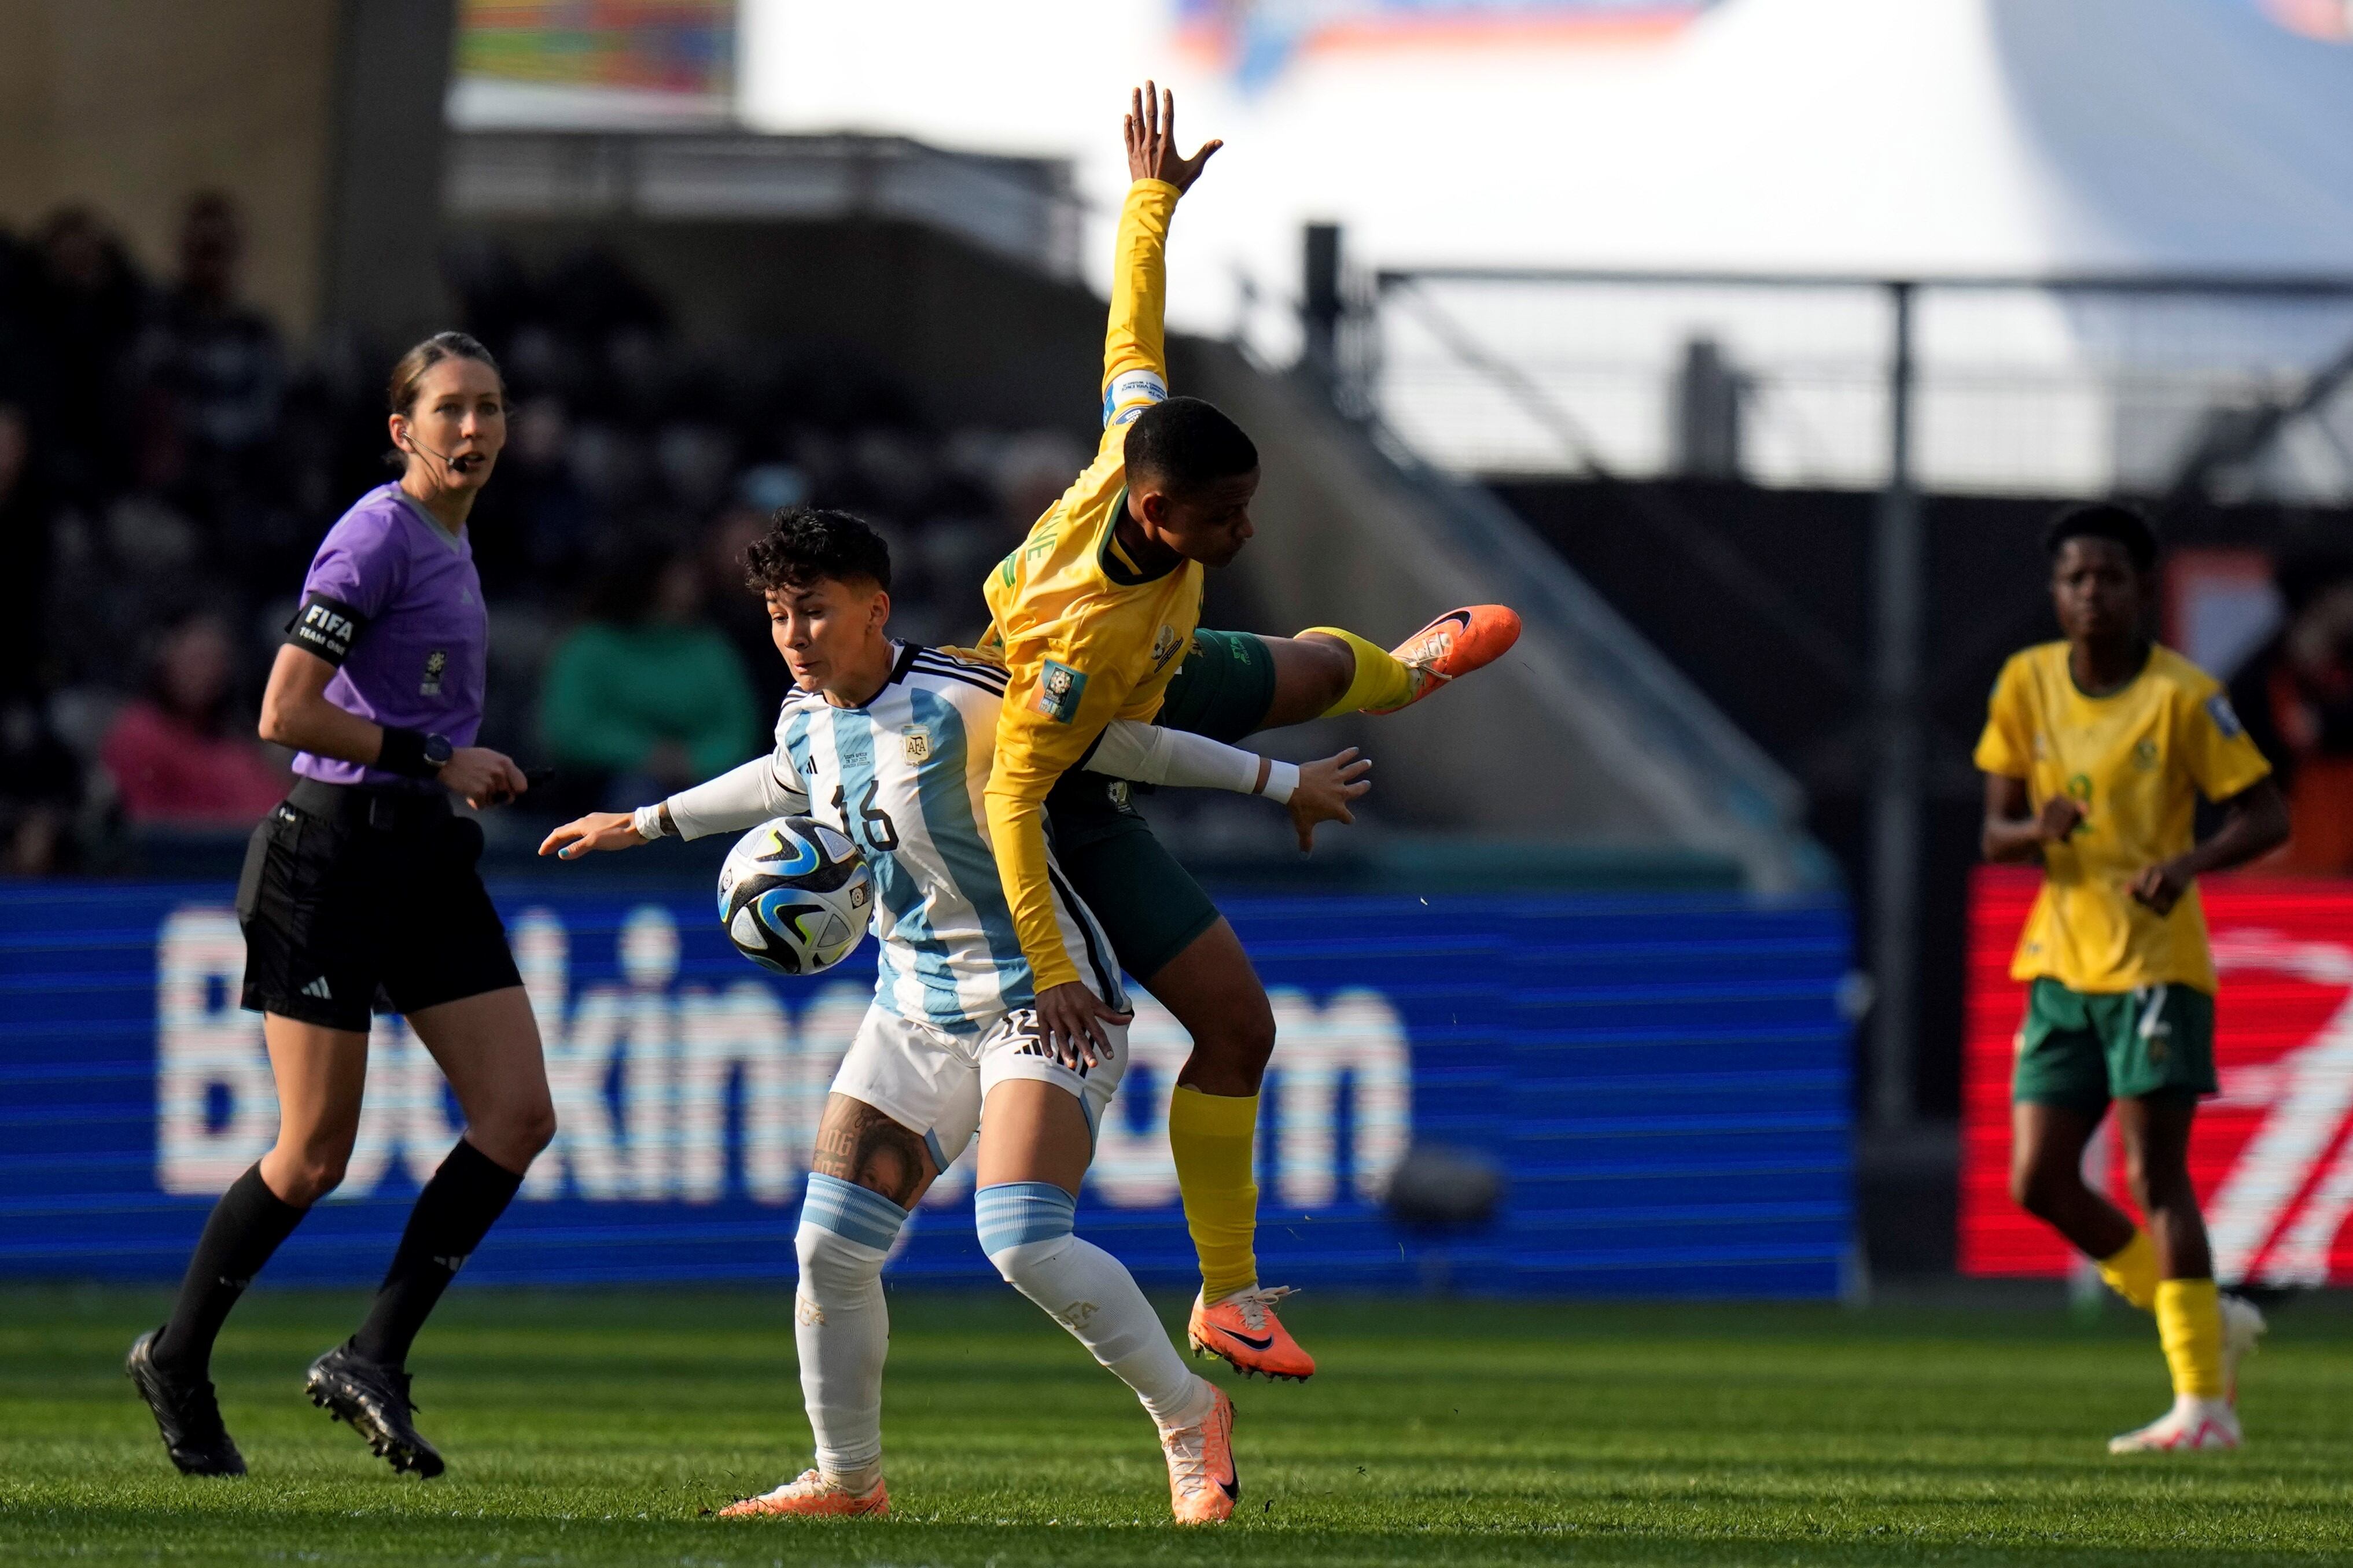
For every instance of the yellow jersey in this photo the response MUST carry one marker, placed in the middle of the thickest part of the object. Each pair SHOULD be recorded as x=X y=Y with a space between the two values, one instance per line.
x=2136 y=761
x=1086 y=636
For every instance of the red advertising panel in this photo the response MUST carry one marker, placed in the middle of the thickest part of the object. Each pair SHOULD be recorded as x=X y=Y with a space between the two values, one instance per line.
x=2271 y=1157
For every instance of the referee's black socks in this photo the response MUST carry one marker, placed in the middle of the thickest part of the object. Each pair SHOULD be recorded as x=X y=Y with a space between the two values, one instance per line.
x=452 y=1215
x=246 y=1227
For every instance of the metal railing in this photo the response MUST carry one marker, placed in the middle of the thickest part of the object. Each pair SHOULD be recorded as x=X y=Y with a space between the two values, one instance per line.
x=2061 y=385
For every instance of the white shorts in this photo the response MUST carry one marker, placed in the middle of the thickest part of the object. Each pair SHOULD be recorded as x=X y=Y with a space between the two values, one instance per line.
x=934 y=1083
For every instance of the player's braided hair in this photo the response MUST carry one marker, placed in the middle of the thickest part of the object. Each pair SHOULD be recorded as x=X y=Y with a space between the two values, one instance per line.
x=2102 y=520
x=806 y=545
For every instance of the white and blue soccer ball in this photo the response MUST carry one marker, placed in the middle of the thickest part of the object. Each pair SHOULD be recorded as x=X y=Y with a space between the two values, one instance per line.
x=795 y=896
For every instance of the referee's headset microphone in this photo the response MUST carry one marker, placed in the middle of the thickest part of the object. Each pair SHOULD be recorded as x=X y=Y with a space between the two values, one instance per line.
x=457 y=465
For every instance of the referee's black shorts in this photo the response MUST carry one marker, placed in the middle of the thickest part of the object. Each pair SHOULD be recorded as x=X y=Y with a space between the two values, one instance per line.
x=359 y=900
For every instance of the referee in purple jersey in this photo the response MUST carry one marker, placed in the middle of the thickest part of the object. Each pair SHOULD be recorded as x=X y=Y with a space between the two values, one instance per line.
x=360 y=893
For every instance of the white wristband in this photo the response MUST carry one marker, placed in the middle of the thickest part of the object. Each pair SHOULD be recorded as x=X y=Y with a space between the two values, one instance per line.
x=647 y=820
x=1281 y=780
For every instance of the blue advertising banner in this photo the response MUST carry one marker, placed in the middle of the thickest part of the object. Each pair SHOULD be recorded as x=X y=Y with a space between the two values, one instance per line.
x=1661 y=1084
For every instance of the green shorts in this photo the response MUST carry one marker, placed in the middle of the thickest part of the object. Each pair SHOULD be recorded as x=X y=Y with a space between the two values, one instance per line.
x=1149 y=905
x=1223 y=689
x=2082 y=1049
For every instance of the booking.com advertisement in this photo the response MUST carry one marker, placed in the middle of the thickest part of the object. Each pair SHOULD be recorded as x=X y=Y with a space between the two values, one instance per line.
x=1626 y=1095
x=2272 y=1156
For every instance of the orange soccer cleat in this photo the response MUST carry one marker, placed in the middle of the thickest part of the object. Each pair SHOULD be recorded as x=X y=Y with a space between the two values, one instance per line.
x=1243 y=1329
x=1453 y=645
x=811 y=1497
x=1202 y=1484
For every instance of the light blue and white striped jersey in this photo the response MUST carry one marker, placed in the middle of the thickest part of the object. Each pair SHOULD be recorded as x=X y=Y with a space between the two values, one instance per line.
x=903 y=776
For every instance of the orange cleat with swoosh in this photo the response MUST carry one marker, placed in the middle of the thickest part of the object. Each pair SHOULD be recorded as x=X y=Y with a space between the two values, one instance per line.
x=1453 y=645
x=1241 y=1329
x=1202 y=1484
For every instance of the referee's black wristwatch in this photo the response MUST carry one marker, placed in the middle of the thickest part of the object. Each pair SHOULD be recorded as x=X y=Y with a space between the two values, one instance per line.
x=414 y=753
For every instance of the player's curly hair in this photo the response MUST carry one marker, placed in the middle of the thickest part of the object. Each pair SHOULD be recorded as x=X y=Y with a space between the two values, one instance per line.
x=2102 y=520
x=1186 y=444
x=806 y=545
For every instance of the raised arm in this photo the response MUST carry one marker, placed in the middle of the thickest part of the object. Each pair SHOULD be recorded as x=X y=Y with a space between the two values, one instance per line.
x=1135 y=357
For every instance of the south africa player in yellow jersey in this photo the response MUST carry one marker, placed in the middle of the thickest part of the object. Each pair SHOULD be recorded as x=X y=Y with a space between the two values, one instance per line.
x=2095 y=752
x=1095 y=616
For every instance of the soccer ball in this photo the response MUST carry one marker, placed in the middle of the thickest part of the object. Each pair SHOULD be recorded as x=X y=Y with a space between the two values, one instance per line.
x=795 y=896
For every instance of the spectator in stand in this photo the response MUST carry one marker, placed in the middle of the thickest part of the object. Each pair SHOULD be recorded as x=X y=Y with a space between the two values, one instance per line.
x=40 y=791
x=741 y=617
x=88 y=310
x=183 y=754
x=24 y=543
x=212 y=374
x=647 y=694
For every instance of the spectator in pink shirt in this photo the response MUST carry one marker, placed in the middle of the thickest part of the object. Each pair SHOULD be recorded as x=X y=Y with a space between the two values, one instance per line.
x=182 y=755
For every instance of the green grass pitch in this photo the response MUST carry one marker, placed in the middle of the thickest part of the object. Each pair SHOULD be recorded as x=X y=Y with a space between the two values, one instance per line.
x=597 y=1428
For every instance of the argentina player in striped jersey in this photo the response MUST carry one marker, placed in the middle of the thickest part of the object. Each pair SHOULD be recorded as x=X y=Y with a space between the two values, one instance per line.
x=893 y=743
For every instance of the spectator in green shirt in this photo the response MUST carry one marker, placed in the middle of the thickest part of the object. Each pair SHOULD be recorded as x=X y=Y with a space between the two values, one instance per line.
x=645 y=696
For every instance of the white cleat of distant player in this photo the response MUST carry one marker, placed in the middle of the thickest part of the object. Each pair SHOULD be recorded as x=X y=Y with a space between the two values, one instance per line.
x=2242 y=1325
x=2193 y=1424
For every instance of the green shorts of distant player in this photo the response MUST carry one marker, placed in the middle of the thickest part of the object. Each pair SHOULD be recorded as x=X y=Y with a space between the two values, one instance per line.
x=1150 y=906
x=2081 y=1049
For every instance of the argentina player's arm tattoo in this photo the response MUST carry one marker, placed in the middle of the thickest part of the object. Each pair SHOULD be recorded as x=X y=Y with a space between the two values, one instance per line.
x=856 y=1143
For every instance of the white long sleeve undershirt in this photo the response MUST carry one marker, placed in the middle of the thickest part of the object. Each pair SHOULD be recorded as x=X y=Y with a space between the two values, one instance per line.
x=747 y=796
x=737 y=799
x=1150 y=754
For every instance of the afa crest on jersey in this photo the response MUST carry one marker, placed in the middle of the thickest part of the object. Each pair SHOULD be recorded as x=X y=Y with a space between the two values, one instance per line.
x=915 y=741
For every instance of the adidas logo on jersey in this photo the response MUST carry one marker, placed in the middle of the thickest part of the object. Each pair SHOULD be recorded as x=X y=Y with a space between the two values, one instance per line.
x=319 y=988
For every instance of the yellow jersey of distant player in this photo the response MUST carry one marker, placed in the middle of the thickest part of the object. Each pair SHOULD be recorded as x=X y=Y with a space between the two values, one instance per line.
x=2136 y=761
x=1085 y=636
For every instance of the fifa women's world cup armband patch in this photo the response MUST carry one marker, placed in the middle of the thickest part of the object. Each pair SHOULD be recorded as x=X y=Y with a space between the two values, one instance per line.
x=1058 y=689
x=1130 y=392
x=326 y=627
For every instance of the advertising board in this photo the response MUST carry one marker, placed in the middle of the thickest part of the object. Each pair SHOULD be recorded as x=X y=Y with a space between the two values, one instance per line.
x=1659 y=1085
x=2270 y=1155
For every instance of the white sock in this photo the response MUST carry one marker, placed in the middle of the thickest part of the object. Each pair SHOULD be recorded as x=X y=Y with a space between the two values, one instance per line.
x=841 y=1326
x=1024 y=1228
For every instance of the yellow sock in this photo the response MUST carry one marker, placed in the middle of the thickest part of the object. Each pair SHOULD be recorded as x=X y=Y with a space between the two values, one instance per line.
x=1380 y=680
x=2132 y=1272
x=1211 y=1135
x=2189 y=1327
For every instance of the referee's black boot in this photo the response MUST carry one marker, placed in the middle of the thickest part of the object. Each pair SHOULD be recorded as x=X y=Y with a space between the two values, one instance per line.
x=186 y=1412
x=375 y=1399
